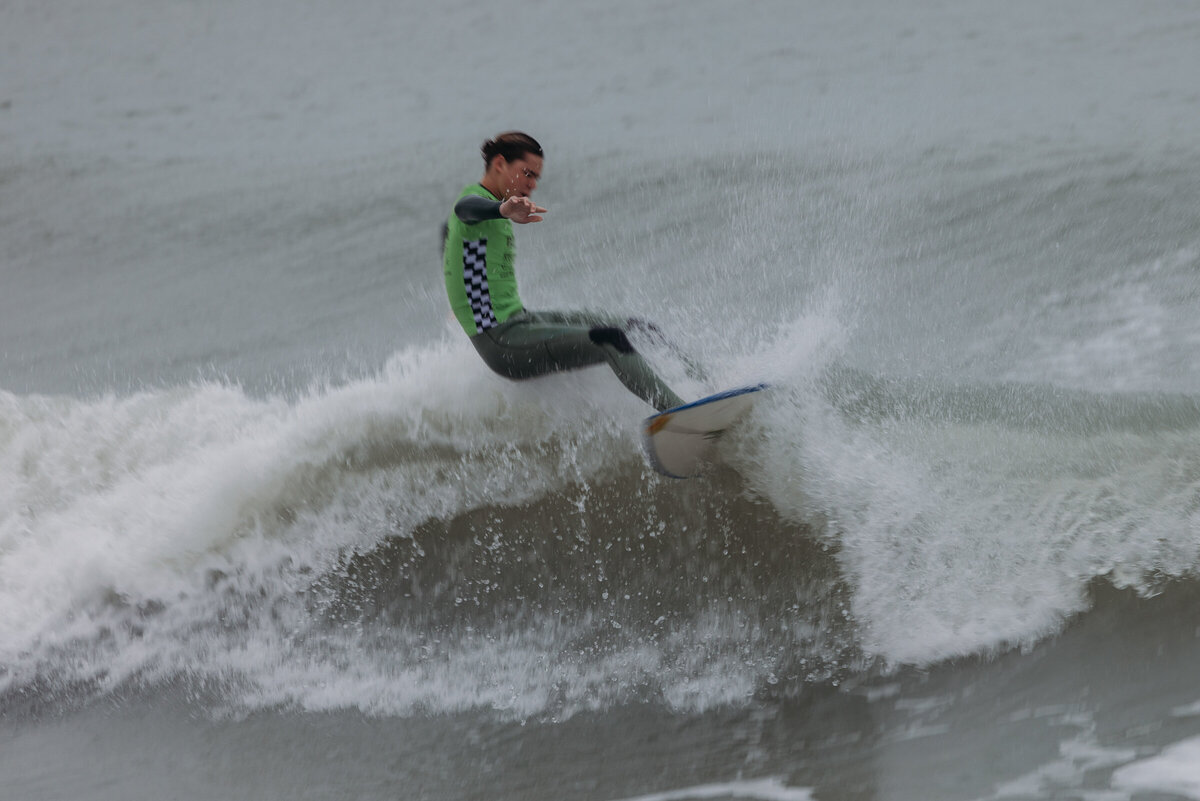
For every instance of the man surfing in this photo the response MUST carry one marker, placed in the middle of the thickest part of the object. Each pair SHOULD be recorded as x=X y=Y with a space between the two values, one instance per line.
x=478 y=263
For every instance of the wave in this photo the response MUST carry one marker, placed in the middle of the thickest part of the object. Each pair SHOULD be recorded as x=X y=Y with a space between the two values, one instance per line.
x=970 y=519
x=434 y=538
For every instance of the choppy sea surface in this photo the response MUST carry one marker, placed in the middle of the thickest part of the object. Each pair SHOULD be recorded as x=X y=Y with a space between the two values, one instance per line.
x=270 y=529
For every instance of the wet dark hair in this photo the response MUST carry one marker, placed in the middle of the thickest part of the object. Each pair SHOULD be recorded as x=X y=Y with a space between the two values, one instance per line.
x=512 y=145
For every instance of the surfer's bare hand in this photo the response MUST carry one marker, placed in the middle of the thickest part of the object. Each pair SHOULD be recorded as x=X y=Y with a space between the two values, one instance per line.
x=521 y=210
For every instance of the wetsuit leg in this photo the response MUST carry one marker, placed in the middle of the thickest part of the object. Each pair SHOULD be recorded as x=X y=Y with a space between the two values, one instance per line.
x=626 y=325
x=536 y=343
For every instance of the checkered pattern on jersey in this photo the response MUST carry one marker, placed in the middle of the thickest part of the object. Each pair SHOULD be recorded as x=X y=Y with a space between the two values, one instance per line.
x=475 y=281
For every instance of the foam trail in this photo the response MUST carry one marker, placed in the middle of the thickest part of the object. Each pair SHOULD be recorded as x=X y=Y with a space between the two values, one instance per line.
x=755 y=790
x=1175 y=771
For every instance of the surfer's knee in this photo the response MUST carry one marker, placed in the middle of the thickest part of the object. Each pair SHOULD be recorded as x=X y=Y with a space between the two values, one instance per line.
x=605 y=335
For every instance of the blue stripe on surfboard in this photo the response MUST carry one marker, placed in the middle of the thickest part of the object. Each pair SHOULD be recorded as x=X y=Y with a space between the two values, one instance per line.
x=729 y=393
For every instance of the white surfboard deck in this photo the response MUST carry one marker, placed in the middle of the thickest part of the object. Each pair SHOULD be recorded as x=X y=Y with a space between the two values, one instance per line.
x=679 y=441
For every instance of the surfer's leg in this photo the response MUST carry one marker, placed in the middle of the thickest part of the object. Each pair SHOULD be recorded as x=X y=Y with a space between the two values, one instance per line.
x=629 y=366
x=584 y=337
x=517 y=348
x=545 y=342
x=607 y=335
x=627 y=325
x=655 y=334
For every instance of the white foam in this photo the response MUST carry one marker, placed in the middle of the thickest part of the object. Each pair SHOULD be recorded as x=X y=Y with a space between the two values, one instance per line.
x=1078 y=757
x=750 y=790
x=1131 y=331
x=1176 y=770
x=119 y=504
x=960 y=538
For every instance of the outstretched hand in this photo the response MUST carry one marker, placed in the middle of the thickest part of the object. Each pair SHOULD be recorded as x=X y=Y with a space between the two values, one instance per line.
x=521 y=210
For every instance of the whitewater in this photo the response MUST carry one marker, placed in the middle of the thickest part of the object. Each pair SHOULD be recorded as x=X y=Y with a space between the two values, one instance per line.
x=269 y=528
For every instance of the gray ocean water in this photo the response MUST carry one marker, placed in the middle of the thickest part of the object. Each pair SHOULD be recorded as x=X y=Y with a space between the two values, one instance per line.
x=269 y=529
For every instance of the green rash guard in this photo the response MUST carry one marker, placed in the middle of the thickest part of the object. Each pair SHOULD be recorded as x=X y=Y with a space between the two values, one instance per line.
x=478 y=266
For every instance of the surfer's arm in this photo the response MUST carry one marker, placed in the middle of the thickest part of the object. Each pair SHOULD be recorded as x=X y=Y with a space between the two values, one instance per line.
x=473 y=209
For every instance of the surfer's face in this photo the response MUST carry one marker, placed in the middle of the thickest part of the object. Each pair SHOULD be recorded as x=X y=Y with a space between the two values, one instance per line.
x=520 y=176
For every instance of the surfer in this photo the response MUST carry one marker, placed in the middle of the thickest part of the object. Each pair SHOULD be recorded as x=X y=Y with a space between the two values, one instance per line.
x=478 y=262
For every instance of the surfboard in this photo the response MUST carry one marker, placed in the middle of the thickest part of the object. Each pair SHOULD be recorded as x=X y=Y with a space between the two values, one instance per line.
x=679 y=441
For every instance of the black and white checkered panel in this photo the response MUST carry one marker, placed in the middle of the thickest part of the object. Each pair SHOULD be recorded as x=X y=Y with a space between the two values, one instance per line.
x=475 y=279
